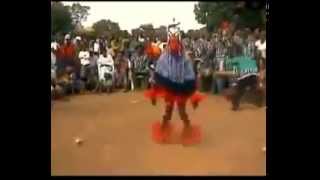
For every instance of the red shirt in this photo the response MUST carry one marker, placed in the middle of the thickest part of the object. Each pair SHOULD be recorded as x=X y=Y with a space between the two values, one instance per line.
x=67 y=52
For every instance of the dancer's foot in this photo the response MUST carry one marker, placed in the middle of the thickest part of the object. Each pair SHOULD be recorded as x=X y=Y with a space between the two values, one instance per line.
x=161 y=133
x=191 y=135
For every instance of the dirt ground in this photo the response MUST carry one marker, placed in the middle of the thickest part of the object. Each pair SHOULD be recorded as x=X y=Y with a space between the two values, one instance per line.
x=116 y=133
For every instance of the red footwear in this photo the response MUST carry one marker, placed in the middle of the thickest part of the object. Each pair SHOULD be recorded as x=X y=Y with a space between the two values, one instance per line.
x=161 y=135
x=191 y=135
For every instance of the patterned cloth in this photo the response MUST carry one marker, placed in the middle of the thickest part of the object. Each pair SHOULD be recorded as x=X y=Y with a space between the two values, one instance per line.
x=175 y=68
x=249 y=49
x=174 y=79
x=244 y=66
x=140 y=63
x=221 y=55
x=105 y=65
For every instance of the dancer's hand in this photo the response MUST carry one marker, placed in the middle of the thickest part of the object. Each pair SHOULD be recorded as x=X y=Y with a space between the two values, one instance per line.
x=154 y=102
x=195 y=105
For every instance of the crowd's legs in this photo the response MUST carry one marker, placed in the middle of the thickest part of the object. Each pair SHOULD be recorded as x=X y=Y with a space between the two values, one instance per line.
x=237 y=91
x=218 y=84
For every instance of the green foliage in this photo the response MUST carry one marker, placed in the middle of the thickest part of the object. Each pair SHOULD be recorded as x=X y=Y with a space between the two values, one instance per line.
x=242 y=13
x=79 y=13
x=61 y=21
x=106 y=28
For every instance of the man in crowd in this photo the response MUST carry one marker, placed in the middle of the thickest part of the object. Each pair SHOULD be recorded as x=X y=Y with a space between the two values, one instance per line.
x=68 y=60
x=133 y=44
x=121 y=66
x=249 y=49
x=66 y=54
x=115 y=44
x=140 y=66
x=105 y=65
x=261 y=46
x=96 y=47
x=218 y=83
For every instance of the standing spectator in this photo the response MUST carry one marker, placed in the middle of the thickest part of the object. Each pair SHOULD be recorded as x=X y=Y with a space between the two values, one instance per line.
x=106 y=44
x=102 y=44
x=96 y=47
x=91 y=46
x=110 y=51
x=261 y=45
x=196 y=62
x=125 y=47
x=249 y=49
x=133 y=44
x=67 y=55
x=218 y=83
x=105 y=65
x=186 y=43
x=237 y=45
x=116 y=45
x=121 y=65
x=78 y=45
x=53 y=62
x=140 y=67
x=68 y=61
x=84 y=56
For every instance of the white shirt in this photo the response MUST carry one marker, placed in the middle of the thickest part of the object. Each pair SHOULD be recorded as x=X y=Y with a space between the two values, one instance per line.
x=96 y=47
x=53 y=59
x=161 y=45
x=262 y=47
x=107 y=61
x=53 y=66
x=141 y=39
x=84 y=57
x=54 y=45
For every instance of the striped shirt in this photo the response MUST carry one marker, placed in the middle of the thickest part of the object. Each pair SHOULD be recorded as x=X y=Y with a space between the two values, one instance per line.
x=140 y=63
x=221 y=54
x=249 y=50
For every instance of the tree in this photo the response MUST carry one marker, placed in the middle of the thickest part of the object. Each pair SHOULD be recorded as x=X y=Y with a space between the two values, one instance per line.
x=61 y=21
x=213 y=13
x=79 y=13
x=242 y=13
x=161 y=33
x=124 y=33
x=136 y=32
x=147 y=30
x=106 y=28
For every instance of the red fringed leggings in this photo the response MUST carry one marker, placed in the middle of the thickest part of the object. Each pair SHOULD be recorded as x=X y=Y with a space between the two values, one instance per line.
x=181 y=105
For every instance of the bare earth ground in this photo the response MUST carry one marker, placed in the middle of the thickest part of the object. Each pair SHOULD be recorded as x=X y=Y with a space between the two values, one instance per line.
x=116 y=132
